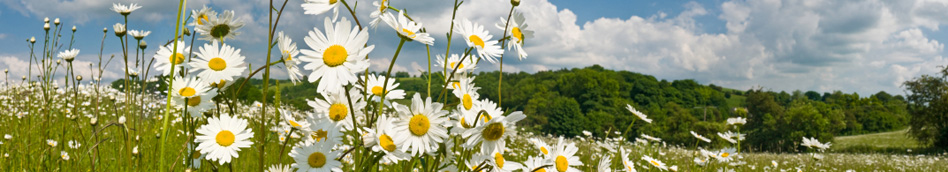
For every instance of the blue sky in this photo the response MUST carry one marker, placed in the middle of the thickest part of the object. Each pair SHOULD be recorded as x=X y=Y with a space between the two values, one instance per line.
x=862 y=46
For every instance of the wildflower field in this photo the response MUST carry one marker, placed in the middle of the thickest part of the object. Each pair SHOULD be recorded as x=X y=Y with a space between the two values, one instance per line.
x=190 y=119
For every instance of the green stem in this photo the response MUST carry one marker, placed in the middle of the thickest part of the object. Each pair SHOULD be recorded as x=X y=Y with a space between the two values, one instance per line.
x=388 y=75
x=164 y=127
x=500 y=77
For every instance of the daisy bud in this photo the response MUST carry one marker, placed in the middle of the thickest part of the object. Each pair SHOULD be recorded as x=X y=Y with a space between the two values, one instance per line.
x=59 y=62
x=56 y=21
x=119 y=29
x=32 y=40
x=187 y=32
x=46 y=20
x=73 y=28
x=515 y=2
x=105 y=30
x=143 y=45
x=133 y=74
x=24 y=77
x=93 y=121
x=79 y=78
x=46 y=26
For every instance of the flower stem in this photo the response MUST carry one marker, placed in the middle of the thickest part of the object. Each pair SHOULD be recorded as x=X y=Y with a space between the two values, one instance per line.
x=388 y=76
x=167 y=115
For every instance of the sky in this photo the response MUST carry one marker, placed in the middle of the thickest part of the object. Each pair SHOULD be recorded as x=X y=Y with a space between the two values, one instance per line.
x=862 y=46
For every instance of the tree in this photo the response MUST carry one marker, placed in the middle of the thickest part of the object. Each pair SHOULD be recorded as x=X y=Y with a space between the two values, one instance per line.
x=928 y=106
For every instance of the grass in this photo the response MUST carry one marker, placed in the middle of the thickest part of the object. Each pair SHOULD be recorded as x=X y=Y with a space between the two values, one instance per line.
x=885 y=142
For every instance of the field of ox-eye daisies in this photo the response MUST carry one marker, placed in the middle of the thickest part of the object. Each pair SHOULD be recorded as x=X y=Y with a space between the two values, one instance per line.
x=356 y=124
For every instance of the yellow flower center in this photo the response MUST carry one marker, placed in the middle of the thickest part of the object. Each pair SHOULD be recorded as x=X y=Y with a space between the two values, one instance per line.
x=377 y=90
x=467 y=102
x=419 y=125
x=493 y=131
x=541 y=170
x=561 y=163
x=316 y=160
x=456 y=85
x=202 y=18
x=293 y=123
x=386 y=142
x=725 y=154
x=337 y=112
x=408 y=33
x=196 y=154
x=289 y=57
x=176 y=58
x=335 y=55
x=543 y=149
x=655 y=163
x=455 y=64
x=217 y=64
x=187 y=92
x=219 y=85
x=320 y=135
x=517 y=34
x=333 y=1
x=499 y=159
x=464 y=123
x=476 y=40
x=225 y=138
x=194 y=101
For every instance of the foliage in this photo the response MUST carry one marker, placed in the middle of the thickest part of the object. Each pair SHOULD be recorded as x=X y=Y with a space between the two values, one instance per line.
x=928 y=104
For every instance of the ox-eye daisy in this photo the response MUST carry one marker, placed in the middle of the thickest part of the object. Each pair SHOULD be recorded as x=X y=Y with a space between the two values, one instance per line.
x=380 y=8
x=222 y=137
x=322 y=130
x=492 y=134
x=197 y=105
x=189 y=87
x=335 y=107
x=518 y=32
x=165 y=60
x=220 y=27
x=381 y=138
x=478 y=38
x=420 y=126
x=452 y=62
x=202 y=16
x=317 y=7
x=407 y=28
x=336 y=56
x=290 y=57
x=218 y=62
x=315 y=157
x=376 y=89
x=563 y=156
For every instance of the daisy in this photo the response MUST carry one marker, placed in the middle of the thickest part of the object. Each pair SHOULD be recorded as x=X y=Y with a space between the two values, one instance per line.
x=223 y=137
x=202 y=16
x=727 y=137
x=125 y=10
x=51 y=143
x=500 y=164
x=188 y=87
x=407 y=28
x=701 y=161
x=492 y=134
x=165 y=60
x=196 y=105
x=336 y=107
x=381 y=138
x=542 y=146
x=119 y=29
x=279 y=168
x=533 y=163
x=289 y=50
x=336 y=56
x=604 y=163
x=468 y=95
x=317 y=7
x=736 y=121
x=69 y=55
x=195 y=156
x=377 y=14
x=315 y=157
x=654 y=139
x=377 y=90
x=517 y=31
x=64 y=155
x=219 y=27
x=702 y=138
x=452 y=62
x=725 y=155
x=460 y=78
x=638 y=114
x=656 y=163
x=291 y=120
x=74 y=144
x=139 y=34
x=477 y=37
x=419 y=127
x=322 y=130
x=626 y=164
x=218 y=62
x=563 y=156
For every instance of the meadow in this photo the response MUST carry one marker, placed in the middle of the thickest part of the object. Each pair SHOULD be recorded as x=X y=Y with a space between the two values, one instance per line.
x=189 y=117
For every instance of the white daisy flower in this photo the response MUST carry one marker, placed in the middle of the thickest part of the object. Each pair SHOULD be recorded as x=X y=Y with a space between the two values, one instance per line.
x=188 y=87
x=317 y=7
x=336 y=107
x=196 y=105
x=655 y=163
x=492 y=134
x=123 y=9
x=290 y=57
x=702 y=138
x=638 y=114
x=476 y=36
x=202 y=16
x=725 y=155
x=69 y=55
x=736 y=121
x=119 y=29
x=654 y=139
x=74 y=144
x=382 y=141
x=629 y=166
x=542 y=146
x=280 y=168
x=499 y=163
x=564 y=157
x=217 y=62
x=376 y=15
x=376 y=89
x=468 y=95
x=727 y=137
x=292 y=121
x=534 y=163
x=452 y=62
x=517 y=31
x=315 y=157
x=336 y=56
x=64 y=155
x=420 y=126
x=605 y=163
x=139 y=34
x=219 y=27
x=223 y=137
x=194 y=156
x=322 y=130
x=165 y=60
x=407 y=28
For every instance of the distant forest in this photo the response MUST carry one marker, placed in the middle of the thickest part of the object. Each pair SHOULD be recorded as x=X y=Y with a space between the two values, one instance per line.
x=568 y=101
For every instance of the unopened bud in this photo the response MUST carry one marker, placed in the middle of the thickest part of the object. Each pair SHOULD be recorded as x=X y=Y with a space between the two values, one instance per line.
x=32 y=40
x=56 y=21
x=187 y=32
x=515 y=2
x=143 y=45
x=73 y=28
x=46 y=26
x=105 y=30
x=79 y=77
x=46 y=20
x=93 y=121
